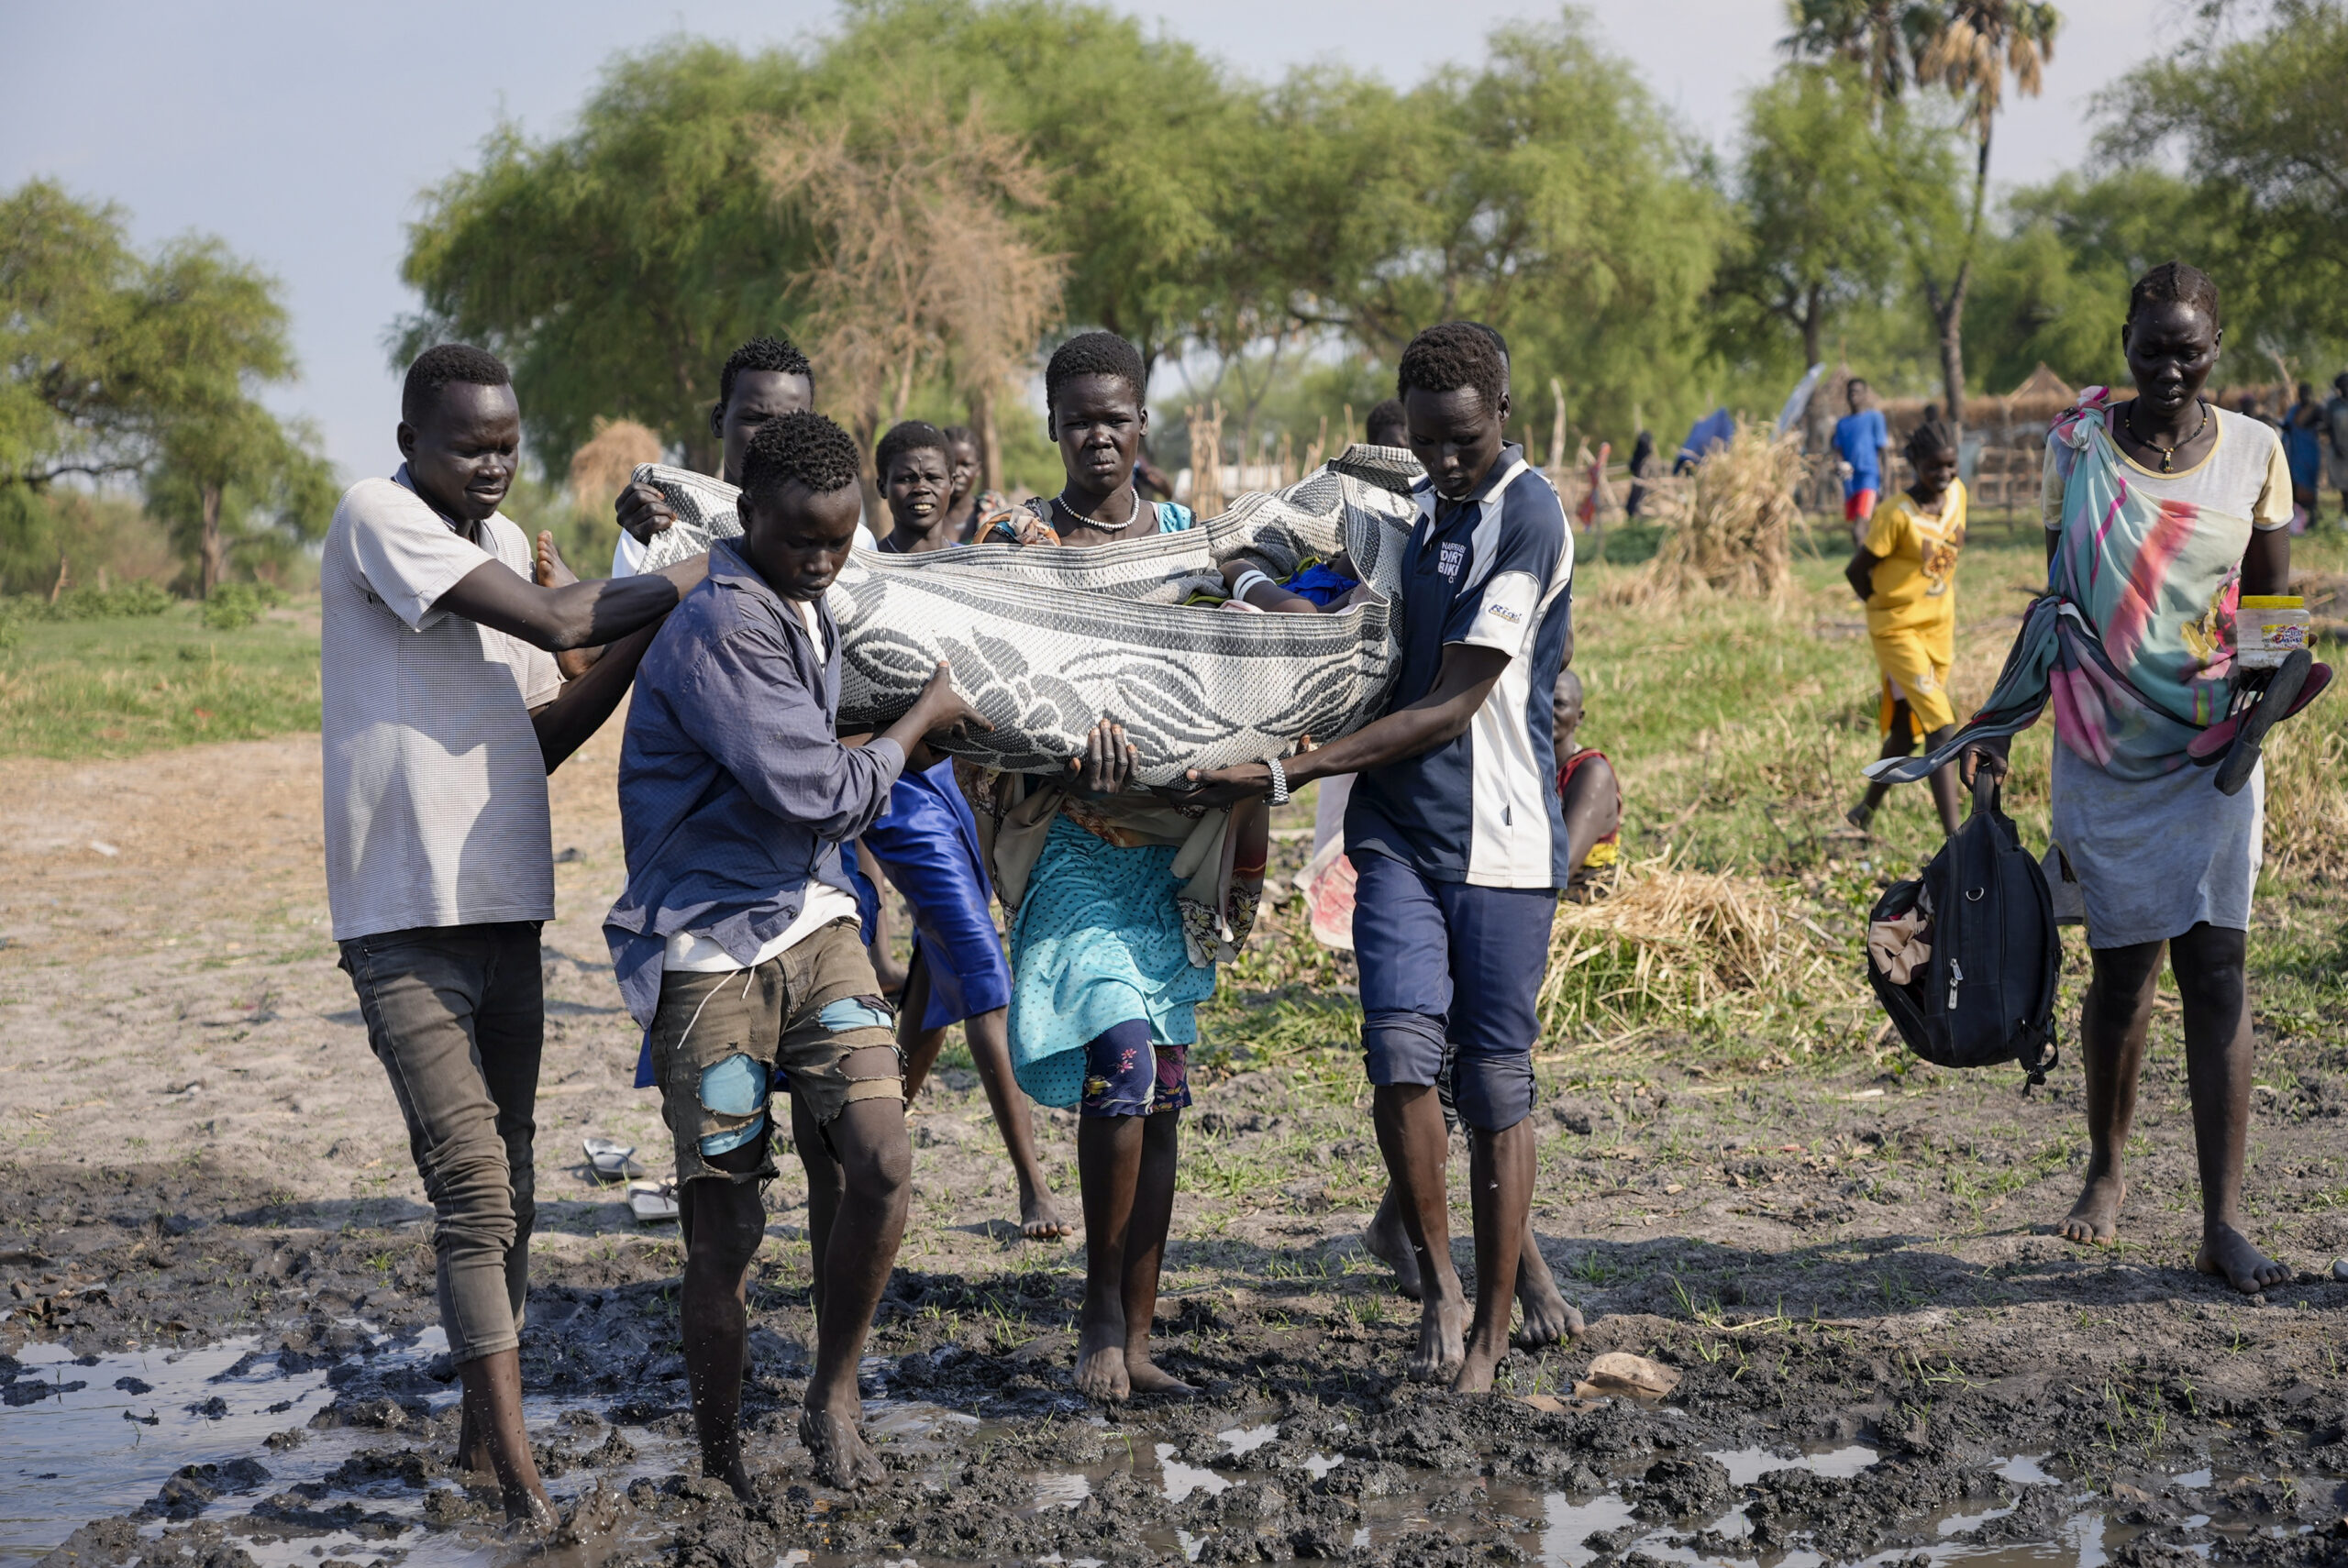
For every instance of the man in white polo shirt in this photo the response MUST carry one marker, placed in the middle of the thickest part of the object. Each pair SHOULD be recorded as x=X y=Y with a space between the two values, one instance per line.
x=442 y=714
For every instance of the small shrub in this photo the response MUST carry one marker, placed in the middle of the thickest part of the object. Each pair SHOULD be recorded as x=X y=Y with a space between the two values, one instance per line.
x=137 y=597
x=233 y=605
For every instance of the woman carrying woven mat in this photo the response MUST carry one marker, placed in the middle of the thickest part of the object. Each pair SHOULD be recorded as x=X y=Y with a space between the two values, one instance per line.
x=1122 y=905
x=2161 y=512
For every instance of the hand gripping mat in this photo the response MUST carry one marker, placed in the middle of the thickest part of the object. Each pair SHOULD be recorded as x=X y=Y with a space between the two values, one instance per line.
x=1045 y=640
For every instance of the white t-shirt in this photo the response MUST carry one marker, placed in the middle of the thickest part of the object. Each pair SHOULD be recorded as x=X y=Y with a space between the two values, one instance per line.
x=435 y=787
x=628 y=556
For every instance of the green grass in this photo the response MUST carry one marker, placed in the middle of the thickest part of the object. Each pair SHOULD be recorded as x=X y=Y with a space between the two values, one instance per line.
x=119 y=686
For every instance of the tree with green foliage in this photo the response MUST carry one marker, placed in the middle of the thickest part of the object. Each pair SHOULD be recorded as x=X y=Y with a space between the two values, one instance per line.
x=1967 y=47
x=113 y=365
x=1821 y=174
x=2258 y=126
x=615 y=267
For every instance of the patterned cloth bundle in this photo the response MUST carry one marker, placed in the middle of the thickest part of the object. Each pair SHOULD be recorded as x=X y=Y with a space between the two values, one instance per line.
x=1045 y=640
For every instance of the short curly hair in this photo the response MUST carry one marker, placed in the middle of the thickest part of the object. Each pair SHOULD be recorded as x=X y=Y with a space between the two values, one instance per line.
x=777 y=354
x=912 y=435
x=1454 y=355
x=803 y=444
x=2175 y=282
x=1385 y=415
x=443 y=366
x=1094 y=354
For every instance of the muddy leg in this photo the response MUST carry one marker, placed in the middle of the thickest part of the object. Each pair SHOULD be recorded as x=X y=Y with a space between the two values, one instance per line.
x=876 y=1171
x=823 y=1197
x=1548 y=1317
x=1145 y=1252
x=727 y=1224
x=1108 y=1164
x=1499 y=1176
x=1411 y=1136
x=493 y=1397
x=989 y=1035
x=2113 y=1023
x=2211 y=983
x=1388 y=1241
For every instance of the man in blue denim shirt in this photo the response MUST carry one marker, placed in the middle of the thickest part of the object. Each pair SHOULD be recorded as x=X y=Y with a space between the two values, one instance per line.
x=736 y=938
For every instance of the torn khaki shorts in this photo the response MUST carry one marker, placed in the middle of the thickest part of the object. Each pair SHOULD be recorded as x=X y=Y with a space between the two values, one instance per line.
x=718 y=1039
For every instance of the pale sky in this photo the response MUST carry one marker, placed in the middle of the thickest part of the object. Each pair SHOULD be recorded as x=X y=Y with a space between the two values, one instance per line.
x=301 y=134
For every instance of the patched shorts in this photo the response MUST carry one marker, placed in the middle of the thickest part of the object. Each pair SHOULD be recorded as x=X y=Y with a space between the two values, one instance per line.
x=1126 y=1075
x=718 y=1038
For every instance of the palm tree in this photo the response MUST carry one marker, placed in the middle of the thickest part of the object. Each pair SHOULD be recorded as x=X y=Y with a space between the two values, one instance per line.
x=1967 y=46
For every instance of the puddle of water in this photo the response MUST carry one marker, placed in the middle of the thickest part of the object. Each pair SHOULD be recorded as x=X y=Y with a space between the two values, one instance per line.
x=1248 y=1440
x=2025 y=1470
x=106 y=1448
x=1180 y=1480
x=1061 y=1491
x=2196 y=1479
x=1566 y=1524
x=1746 y=1465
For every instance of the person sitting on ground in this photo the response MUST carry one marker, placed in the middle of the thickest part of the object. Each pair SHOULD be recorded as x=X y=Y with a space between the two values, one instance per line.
x=1590 y=795
x=736 y=938
x=1384 y=426
x=1111 y=950
x=1864 y=442
x=927 y=844
x=2160 y=513
x=1454 y=829
x=1904 y=570
x=441 y=716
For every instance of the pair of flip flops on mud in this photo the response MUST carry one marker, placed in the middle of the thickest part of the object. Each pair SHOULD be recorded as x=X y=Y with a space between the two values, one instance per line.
x=612 y=1162
x=2232 y=744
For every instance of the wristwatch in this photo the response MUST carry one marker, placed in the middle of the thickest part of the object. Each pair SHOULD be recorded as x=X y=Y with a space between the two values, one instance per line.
x=1279 y=781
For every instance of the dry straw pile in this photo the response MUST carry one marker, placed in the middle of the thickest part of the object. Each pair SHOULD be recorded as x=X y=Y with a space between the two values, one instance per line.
x=600 y=469
x=1729 y=527
x=1674 y=943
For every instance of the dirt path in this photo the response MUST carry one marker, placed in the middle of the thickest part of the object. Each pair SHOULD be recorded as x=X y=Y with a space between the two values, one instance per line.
x=197 y=1143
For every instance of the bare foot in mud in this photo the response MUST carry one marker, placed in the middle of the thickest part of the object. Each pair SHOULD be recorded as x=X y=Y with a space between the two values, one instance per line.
x=839 y=1450
x=2094 y=1220
x=1039 y=1218
x=1476 y=1369
x=529 y=1515
x=1143 y=1375
x=553 y=571
x=2227 y=1253
x=737 y=1477
x=1548 y=1318
x=1101 y=1372
x=1386 y=1240
x=1439 y=1353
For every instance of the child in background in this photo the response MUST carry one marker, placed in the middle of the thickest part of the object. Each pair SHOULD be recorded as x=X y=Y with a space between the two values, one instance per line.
x=1905 y=570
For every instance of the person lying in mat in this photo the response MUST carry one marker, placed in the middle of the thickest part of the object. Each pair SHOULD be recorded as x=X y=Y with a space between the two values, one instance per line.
x=736 y=938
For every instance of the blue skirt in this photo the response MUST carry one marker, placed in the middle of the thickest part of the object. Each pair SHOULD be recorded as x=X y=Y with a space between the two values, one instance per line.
x=927 y=841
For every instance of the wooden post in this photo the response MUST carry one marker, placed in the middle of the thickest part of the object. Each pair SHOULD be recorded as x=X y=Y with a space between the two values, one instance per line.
x=1558 y=430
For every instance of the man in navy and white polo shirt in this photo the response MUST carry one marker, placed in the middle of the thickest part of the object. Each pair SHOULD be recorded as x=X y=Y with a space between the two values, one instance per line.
x=1454 y=830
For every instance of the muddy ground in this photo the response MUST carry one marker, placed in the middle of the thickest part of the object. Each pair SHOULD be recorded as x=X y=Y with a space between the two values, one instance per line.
x=196 y=1145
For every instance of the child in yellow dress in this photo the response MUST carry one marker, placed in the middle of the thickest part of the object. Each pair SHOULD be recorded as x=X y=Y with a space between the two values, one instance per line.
x=1905 y=570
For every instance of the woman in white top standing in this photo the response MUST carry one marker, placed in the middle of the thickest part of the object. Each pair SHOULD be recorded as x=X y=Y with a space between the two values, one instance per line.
x=2162 y=510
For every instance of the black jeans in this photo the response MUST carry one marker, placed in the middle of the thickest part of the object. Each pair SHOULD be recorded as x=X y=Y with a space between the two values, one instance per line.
x=456 y=1015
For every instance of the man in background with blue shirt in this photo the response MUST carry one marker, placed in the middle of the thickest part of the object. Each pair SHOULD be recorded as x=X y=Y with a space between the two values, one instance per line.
x=1864 y=442
x=1455 y=829
x=736 y=936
